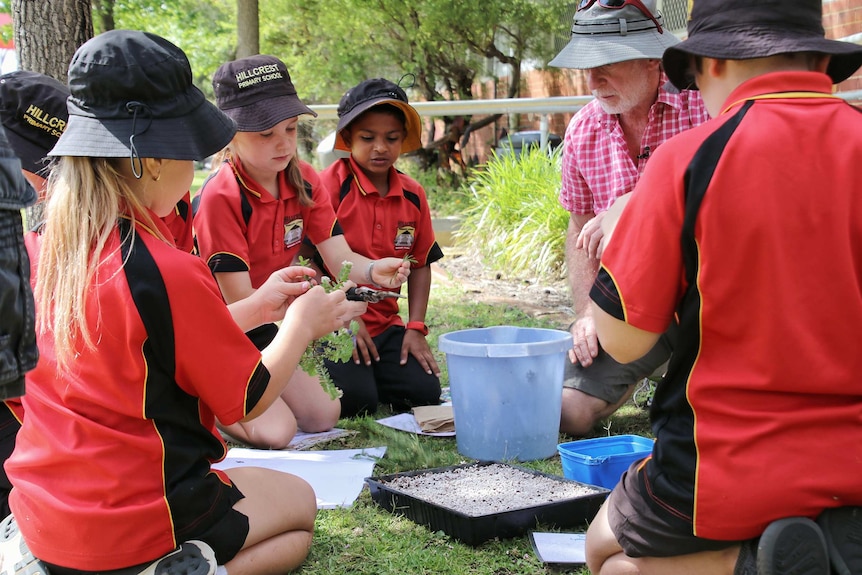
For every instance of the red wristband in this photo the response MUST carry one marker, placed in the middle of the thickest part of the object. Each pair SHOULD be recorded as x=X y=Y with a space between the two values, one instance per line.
x=418 y=326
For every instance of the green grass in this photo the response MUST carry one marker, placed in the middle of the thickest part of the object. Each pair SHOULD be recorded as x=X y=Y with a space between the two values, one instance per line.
x=365 y=539
x=200 y=176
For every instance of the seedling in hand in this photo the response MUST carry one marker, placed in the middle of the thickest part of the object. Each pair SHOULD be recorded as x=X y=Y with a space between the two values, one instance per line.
x=336 y=346
x=407 y=258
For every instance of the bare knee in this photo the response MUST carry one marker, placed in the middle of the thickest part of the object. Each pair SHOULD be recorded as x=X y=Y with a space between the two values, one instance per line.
x=580 y=412
x=322 y=419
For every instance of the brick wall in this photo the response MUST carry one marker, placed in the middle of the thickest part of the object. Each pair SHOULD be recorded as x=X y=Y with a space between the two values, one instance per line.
x=842 y=19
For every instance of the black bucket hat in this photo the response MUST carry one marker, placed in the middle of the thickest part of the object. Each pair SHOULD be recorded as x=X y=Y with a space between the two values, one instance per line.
x=742 y=29
x=33 y=112
x=257 y=93
x=372 y=93
x=132 y=95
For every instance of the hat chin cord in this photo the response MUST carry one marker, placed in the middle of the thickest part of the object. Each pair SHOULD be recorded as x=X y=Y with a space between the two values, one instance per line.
x=134 y=107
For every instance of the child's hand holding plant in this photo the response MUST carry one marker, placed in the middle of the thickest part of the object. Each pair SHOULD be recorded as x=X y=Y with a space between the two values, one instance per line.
x=389 y=272
x=336 y=346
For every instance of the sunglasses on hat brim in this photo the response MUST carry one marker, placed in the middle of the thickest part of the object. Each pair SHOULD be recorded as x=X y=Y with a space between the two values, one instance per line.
x=618 y=4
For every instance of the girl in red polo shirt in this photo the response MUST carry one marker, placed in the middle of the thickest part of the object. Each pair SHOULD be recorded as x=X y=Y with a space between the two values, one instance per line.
x=384 y=213
x=112 y=467
x=253 y=216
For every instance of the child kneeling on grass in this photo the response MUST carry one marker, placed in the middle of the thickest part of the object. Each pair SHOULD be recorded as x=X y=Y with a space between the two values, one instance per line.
x=139 y=354
x=384 y=213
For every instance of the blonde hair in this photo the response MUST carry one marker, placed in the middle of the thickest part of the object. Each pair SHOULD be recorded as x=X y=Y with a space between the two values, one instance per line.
x=85 y=198
x=294 y=173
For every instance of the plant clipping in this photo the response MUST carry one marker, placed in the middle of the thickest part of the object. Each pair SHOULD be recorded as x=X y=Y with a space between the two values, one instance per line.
x=336 y=346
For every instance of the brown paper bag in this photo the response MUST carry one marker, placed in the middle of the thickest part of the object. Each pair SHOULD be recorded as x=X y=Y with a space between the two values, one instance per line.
x=435 y=418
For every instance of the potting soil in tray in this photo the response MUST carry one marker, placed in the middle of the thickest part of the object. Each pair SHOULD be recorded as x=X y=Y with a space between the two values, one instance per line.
x=480 y=501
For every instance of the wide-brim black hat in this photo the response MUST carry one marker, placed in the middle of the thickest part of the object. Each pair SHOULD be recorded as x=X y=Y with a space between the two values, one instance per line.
x=131 y=88
x=376 y=92
x=741 y=30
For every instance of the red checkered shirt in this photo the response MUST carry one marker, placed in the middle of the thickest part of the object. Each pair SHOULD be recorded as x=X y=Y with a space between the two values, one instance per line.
x=597 y=167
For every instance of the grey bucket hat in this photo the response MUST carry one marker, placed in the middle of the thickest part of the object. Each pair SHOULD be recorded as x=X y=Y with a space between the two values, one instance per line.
x=602 y=35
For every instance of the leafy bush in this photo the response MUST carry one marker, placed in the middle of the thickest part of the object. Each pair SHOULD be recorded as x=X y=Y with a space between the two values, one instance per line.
x=516 y=222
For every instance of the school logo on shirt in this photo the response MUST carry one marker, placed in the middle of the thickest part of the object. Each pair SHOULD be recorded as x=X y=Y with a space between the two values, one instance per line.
x=292 y=232
x=405 y=237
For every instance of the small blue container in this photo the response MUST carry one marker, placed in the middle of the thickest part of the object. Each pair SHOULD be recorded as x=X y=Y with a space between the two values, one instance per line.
x=601 y=461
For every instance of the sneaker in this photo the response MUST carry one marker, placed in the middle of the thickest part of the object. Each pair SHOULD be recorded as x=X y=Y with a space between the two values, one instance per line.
x=746 y=562
x=792 y=546
x=842 y=527
x=191 y=558
x=15 y=556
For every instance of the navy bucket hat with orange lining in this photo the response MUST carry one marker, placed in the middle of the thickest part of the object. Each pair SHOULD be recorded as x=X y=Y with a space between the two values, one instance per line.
x=372 y=93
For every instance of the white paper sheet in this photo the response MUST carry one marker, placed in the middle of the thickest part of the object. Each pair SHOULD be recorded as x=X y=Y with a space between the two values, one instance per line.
x=560 y=548
x=337 y=476
x=407 y=422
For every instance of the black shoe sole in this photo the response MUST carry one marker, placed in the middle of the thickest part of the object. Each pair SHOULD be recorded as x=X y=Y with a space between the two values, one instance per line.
x=842 y=528
x=792 y=546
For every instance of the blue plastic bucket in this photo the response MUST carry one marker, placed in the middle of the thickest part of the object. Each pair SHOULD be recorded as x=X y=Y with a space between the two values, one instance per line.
x=506 y=384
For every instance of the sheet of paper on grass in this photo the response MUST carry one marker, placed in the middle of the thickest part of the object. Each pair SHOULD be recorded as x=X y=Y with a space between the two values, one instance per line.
x=337 y=476
x=560 y=548
x=407 y=422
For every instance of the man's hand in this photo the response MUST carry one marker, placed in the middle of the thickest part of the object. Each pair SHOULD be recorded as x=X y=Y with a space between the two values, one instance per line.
x=585 y=343
x=590 y=237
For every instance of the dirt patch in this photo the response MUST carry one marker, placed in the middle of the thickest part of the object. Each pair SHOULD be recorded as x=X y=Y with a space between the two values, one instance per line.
x=536 y=297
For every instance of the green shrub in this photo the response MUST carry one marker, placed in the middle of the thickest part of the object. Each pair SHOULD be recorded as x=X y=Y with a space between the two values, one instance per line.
x=516 y=221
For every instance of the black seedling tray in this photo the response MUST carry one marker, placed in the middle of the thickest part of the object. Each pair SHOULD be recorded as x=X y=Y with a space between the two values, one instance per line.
x=473 y=530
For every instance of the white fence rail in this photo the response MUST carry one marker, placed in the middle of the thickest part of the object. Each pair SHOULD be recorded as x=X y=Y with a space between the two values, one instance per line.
x=542 y=106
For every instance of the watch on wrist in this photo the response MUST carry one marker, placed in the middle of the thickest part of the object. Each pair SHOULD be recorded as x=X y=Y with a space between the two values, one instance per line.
x=418 y=326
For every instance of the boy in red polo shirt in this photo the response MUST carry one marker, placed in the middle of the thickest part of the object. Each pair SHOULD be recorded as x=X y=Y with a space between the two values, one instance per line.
x=753 y=247
x=252 y=218
x=384 y=213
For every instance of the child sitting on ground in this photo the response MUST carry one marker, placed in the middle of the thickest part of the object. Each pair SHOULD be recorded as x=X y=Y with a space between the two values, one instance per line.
x=139 y=353
x=252 y=217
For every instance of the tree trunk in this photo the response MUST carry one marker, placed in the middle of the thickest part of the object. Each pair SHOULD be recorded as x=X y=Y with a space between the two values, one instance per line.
x=47 y=33
x=247 y=28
